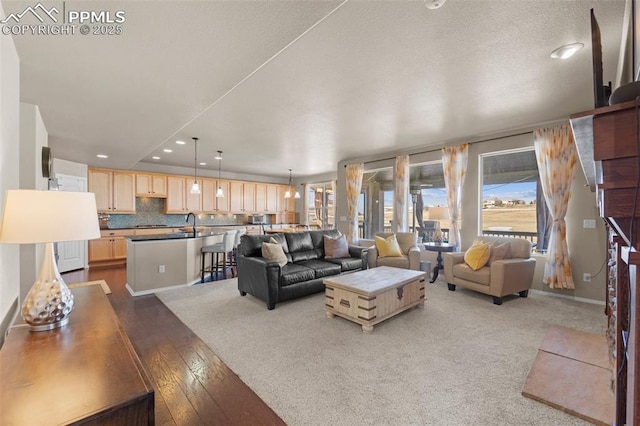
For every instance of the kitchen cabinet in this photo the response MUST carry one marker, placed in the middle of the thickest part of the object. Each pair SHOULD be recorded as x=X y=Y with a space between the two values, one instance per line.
x=111 y=247
x=242 y=197
x=180 y=200
x=114 y=191
x=266 y=198
x=285 y=204
x=151 y=185
x=211 y=203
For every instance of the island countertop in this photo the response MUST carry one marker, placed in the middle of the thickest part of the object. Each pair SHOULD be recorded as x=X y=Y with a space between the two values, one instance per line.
x=174 y=235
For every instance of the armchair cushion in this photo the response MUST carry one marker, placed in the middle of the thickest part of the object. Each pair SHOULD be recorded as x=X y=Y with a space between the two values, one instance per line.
x=499 y=252
x=388 y=246
x=477 y=255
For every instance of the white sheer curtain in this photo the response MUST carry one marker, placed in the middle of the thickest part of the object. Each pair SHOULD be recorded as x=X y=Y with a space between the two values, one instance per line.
x=401 y=195
x=557 y=157
x=454 y=165
x=332 y=207
x=354 y=184
x=305 y=204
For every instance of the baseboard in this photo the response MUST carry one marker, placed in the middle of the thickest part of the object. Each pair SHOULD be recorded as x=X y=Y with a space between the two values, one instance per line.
x=12 y=313
x=565 y=296
x=157 y=290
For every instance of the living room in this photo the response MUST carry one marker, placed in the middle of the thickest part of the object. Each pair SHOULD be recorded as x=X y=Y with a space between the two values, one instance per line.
x=503 y=125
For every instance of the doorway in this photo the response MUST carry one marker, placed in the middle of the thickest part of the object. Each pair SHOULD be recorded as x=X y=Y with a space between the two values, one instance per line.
x=71 y=255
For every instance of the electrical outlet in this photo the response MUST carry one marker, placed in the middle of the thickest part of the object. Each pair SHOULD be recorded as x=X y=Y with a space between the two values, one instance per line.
x=589 y=223
x=586 y=277
x=161 y=269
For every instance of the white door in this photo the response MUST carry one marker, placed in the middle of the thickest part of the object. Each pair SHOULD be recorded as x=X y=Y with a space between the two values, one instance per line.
x=71 y=254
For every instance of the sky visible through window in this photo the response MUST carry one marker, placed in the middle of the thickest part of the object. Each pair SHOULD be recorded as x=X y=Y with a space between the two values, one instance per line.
x=508 y=191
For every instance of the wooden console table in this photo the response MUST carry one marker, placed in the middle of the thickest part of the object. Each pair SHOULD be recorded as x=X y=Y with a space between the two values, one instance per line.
x=83 y=373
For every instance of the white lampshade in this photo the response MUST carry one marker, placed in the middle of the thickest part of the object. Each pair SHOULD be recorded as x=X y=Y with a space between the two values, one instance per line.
x=219 y=192
x=195 y=188
x=439 y=213
x=32 y=216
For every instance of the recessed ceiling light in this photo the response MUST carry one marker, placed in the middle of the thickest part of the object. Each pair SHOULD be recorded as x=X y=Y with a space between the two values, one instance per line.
x=434 y=4
x=102 y=156
x=566 y=51
x=203 y=164
x=180 y=142
x=155 y=157
x=167 y=150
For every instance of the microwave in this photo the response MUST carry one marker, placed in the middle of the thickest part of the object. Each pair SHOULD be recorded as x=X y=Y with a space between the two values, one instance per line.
x=257 y=219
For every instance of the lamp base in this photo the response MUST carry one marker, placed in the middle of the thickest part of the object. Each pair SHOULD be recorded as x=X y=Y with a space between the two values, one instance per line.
x=49 y=302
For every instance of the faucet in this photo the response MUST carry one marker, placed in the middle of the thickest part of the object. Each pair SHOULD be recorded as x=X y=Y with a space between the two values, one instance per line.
x=194 y=222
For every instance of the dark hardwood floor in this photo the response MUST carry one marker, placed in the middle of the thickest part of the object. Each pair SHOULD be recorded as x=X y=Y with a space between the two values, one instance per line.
x=192 y=385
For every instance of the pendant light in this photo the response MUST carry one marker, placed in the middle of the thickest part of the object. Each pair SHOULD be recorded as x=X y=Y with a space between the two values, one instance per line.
x=195 y=188
x=219 y=193
x=287 y=194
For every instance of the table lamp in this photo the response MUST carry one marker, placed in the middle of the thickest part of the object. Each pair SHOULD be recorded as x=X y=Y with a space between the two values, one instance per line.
x=438 y=213
x=32 y=216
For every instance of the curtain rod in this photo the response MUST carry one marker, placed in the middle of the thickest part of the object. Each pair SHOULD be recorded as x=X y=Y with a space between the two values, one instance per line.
x=436 y=149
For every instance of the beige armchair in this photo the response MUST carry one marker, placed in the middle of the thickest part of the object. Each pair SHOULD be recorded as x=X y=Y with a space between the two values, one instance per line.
x=500 y=277
x=407 y=241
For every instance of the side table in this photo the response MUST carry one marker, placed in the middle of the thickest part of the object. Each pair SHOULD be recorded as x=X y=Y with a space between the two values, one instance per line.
x=440 y=248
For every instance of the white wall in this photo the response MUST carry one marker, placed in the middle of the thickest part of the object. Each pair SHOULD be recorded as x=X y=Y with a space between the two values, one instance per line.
x=69 y=168
x=33 y=136
x=9 y=169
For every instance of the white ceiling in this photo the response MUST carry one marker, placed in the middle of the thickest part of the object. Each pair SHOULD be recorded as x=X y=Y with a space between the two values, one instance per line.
x=302 y=85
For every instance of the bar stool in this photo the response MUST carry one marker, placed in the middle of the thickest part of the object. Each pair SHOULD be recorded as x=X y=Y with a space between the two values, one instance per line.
x=223 y=248
x=233 y=262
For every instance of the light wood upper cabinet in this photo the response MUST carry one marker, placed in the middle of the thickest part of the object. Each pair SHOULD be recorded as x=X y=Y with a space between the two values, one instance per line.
x=249 y=197
x=285 y=204
x=261 y=198
x=211 y=203
x=242 y=197
x=114 y=190
x=151 y=185
x=272 y=198
x=222 y=203
x=180 y=200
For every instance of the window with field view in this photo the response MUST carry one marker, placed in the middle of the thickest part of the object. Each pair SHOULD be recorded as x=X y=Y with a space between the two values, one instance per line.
x=376 y=202
x=512 y=203
x=428 y=198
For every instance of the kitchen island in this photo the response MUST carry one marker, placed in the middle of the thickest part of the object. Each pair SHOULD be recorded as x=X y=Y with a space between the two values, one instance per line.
x=164 y=261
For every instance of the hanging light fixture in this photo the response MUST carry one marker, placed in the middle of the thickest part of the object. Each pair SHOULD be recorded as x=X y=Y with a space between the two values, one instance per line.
x=195 y=188
x=219 y=193
x=287 y=194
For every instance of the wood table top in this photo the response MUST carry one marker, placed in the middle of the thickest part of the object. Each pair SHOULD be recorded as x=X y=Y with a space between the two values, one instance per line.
x=375 y=280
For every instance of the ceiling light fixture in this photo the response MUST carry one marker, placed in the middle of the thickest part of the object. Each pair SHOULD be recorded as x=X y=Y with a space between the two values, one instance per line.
x=434 y=4
x=566 y=51
x=219 y=193
x=195 y=188
x=102 y=156
x=181 y=142
x=287 y=194
x=155 y=157
x=167 y=150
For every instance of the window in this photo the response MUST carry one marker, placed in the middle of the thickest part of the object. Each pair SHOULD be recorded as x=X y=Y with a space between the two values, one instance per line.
x=427 y=190
x=512 y=203
x=377 y=202
x=321 y=206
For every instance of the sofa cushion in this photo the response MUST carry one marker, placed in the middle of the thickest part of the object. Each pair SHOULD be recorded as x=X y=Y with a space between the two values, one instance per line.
x=499 y=252
x=335 y=247
x=273 y=251
x=300 y=256
x=321 y=268
x=464 y=271
x=280 y=239
x=347 y=263
x=317 y=237
x=251 y=245
x=477 y=255
x=299 y=241
x=293 y=273
x=406 y=241
x=388 y=246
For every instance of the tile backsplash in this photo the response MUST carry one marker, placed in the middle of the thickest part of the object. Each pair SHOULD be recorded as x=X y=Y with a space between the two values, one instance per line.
x=150 y=211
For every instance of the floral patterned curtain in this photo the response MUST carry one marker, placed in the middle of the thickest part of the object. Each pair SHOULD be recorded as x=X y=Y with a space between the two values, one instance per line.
x=557 y=157
x=332 y=206
x=400 y=194
x=454 y=165
x=354 y=183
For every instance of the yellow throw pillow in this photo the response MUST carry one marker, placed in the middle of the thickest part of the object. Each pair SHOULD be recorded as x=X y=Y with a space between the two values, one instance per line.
x=477 y=256
x=388 y=247
x=274 y=251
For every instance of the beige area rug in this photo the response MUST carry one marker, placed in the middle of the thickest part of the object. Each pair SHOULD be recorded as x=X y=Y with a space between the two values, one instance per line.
x=459 y=361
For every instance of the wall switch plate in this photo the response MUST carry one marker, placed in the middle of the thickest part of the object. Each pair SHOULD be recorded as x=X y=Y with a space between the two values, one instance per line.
x=589 y=223
x=586 y=277
x=161 y=269
x=343 y=218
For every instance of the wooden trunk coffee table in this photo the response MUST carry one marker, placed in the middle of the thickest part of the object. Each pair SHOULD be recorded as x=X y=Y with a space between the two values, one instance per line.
x=373 y=295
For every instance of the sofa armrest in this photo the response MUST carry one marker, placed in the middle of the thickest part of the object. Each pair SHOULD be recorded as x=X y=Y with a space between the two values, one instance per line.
x=259 y=277
x=511 y=275
x=372 y=256
x=414 y=258
x=449 y=261
x=360 y=253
